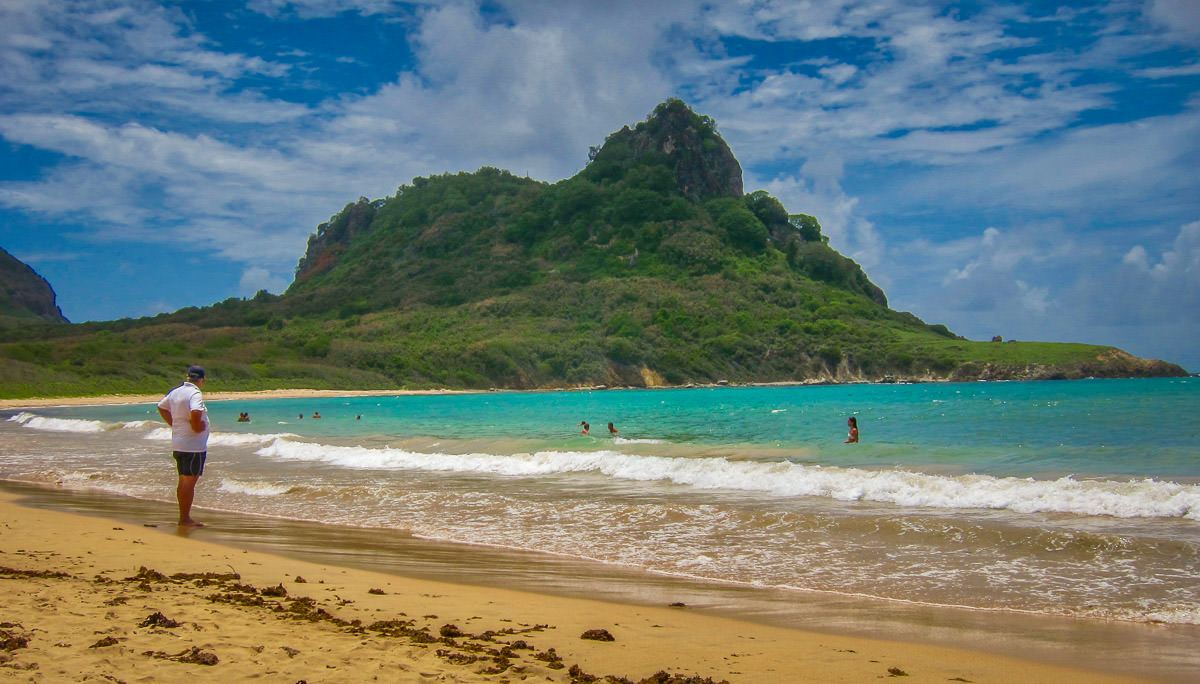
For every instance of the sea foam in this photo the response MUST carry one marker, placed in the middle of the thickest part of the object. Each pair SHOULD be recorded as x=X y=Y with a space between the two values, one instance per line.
x=1124 y=499
x=37 y=422
x=253 y=488
x=155 y=430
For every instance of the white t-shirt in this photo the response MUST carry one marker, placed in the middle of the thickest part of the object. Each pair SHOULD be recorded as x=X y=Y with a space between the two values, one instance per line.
x=180 y=403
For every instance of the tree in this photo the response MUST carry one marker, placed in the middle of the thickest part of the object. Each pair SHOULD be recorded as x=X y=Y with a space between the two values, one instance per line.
x=766 y=208
x=808 y=226
x=744 y=229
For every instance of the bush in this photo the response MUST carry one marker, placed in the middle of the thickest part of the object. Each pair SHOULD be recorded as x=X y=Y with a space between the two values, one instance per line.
x=693 y=249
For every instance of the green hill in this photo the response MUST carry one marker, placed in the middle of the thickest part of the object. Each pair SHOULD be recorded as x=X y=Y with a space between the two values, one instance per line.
x=649 y=267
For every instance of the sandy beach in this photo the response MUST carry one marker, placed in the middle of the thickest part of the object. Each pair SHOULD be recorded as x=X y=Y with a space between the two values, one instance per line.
x=89 y=598
x=209 y=396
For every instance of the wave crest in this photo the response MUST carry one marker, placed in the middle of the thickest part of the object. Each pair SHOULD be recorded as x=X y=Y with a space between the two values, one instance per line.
x=1123 y=499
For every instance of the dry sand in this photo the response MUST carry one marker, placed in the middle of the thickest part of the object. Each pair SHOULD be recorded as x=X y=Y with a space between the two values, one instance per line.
x=90 y=599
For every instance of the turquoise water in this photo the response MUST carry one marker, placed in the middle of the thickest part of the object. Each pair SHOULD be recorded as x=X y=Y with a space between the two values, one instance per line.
x=1072 y=498
x=1133 y=428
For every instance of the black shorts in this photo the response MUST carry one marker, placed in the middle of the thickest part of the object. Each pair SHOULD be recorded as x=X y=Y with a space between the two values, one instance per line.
x=189 y=462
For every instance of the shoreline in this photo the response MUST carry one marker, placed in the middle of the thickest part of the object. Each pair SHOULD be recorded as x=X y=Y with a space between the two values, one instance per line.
x=649 y=638
x=300 y=393
x=117 y=399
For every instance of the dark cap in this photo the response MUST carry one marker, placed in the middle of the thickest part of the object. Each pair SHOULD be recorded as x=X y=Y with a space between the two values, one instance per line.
x=195 y=372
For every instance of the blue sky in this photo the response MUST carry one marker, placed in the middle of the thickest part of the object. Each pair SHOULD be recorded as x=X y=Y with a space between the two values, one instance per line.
x=1027 y=170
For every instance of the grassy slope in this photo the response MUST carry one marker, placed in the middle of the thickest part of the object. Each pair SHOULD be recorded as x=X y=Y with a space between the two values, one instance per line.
x=608 y=339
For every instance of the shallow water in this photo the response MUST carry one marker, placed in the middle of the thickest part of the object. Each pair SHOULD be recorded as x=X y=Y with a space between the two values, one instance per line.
x=1077 y=499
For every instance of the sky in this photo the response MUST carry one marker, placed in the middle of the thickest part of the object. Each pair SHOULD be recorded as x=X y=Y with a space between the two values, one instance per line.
x=1029 y=170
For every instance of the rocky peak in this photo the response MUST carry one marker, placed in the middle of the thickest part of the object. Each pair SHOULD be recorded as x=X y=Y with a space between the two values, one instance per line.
x=685 y=142
x=332 y=237
x=24 y=293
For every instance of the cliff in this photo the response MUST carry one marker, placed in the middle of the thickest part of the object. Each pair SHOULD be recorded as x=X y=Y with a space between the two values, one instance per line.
x=24 y=294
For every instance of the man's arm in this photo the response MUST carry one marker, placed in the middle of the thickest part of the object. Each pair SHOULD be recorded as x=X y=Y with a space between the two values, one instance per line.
x=197 y=420
x=166 y=415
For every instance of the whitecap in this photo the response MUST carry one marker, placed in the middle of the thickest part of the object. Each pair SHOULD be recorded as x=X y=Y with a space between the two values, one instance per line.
x=36 y=422
x=1124 y=499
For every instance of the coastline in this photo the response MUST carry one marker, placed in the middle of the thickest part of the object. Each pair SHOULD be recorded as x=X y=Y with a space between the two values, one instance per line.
x=112 y=399
x=103 y=596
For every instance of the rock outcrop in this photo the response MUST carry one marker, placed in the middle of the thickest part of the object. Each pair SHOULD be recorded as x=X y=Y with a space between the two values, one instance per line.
x=332 y=237
x=685 y=142
x=24 y=293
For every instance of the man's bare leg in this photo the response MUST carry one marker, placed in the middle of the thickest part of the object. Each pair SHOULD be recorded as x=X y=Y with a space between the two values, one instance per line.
x=185 y=492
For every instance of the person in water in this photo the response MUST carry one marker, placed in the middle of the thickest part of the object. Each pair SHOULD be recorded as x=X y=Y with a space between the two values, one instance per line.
x=316 y=414
x=243 y=417
x=586 y=428
x=612 y=430
x=853 y=436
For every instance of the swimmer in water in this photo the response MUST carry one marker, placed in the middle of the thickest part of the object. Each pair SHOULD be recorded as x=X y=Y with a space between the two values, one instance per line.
x=853 y=436
x=586 y=428
x=612 y=430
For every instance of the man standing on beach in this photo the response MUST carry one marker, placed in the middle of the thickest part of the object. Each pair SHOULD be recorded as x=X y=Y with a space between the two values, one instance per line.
x=184 y=410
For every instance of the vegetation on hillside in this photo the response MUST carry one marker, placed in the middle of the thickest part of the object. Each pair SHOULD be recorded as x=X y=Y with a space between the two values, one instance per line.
x=649 y=267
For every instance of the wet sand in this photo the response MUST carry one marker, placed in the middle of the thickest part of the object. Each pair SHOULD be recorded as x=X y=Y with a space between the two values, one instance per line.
x=382 y=604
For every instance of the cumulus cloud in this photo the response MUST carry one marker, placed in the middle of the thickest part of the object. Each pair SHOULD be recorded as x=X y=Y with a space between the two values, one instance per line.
x=530 y=95
x=1040 y=282
x=996 y=274
x=1167 y=286
x=255 y=278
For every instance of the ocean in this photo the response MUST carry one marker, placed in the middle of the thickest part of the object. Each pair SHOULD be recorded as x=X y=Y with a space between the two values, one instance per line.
x=1077 y=499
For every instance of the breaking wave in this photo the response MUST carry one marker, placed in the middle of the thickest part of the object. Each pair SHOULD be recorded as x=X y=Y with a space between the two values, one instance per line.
x=1124 y=499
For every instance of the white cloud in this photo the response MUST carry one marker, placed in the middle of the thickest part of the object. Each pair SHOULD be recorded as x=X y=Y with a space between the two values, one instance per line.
x=817 y=191
x=255 y=278
x=1176 y=274
x=932 y=89
x=1142 y=167
x=46 y=257
x=1180 y=18
x=324 y=8
x=1011 y=282
x=151 y=151
x=1169 y=72
x=1043 y=282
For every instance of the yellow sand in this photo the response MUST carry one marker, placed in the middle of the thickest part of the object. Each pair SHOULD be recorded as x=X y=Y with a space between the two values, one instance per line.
x=55 y=627
x=209 y=396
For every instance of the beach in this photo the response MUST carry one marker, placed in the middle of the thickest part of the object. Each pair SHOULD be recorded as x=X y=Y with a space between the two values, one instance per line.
x=36 y=402
x=88 y=598
x=348 y=550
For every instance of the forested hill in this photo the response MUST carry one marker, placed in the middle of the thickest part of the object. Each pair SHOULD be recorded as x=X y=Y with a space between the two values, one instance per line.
x=661 y=201
x=649 y=267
